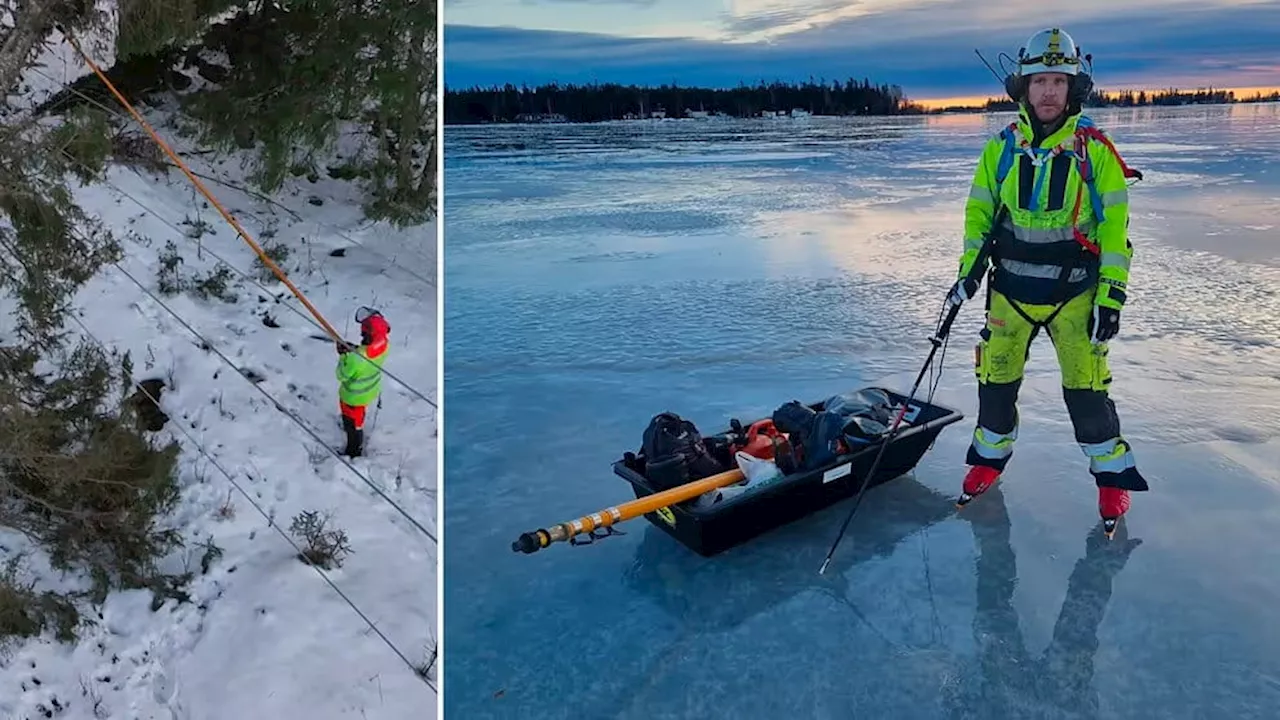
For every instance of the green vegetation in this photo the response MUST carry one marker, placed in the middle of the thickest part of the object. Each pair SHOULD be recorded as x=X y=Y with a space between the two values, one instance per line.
x=304 y=86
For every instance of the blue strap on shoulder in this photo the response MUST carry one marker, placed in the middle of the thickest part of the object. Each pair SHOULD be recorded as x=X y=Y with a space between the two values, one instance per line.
x=1095 y=198
x=1006 y=158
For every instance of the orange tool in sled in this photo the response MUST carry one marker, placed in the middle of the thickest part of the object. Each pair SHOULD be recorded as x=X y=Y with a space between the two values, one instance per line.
x=761 y=439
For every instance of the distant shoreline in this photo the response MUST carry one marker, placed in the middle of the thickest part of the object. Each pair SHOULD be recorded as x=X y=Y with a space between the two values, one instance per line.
x=595 y=103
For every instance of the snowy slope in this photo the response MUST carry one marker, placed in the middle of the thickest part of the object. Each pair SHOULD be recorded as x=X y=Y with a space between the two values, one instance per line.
x=264 y=636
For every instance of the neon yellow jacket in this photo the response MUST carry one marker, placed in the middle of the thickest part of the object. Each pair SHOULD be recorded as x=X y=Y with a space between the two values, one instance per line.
x=1035 y=240
x=359 y=373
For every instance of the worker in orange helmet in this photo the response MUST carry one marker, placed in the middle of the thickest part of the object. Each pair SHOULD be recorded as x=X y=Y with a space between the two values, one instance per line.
x=360 y=375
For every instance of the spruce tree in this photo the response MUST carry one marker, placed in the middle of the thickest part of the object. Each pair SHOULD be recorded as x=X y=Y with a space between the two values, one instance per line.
x=304 y=74
x=77 y=475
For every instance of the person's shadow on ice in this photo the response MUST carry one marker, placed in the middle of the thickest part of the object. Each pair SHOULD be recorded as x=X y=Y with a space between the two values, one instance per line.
x=1006 y=681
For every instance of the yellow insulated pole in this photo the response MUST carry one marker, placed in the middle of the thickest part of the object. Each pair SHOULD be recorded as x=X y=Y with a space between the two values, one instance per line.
x=205 y=191
x=531 y=542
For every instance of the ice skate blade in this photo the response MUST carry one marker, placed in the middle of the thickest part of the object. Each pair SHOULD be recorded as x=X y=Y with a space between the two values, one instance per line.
x=1109 y=526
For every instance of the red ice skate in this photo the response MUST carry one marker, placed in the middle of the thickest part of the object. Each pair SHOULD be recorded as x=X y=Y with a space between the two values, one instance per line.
x=1113 y=503
x=979 y=480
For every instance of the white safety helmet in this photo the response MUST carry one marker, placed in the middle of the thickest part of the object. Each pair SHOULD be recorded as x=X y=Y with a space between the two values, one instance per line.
x=1051 y=50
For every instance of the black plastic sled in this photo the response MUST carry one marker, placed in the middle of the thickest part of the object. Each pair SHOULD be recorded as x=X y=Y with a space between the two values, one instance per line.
x=734 y=520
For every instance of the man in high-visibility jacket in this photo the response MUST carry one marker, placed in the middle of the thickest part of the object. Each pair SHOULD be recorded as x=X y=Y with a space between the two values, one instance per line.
x=360 y=376
x=1060 y=253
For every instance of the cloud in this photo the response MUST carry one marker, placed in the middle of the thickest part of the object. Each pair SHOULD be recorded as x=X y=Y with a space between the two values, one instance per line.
x=747 y=19
x=926 y=46
x=598 y=3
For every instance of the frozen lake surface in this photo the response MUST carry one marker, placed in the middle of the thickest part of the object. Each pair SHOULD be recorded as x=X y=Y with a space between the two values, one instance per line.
x=598 y=275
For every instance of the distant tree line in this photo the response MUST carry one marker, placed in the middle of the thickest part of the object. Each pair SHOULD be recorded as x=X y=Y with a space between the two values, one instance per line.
x=1142 y=98
x=1173 y=96
x=597 y=102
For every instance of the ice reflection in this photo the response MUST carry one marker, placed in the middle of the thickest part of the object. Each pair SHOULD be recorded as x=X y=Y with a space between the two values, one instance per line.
x=598 y=275
x=1008 y=679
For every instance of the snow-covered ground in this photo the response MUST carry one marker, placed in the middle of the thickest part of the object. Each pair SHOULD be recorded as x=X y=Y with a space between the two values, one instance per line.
x=265 y=636
x=598 y=275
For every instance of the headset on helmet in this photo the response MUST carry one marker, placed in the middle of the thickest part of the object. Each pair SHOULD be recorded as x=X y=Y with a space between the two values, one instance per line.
x=371 y=323
x=1051 y=50
x=363 y=313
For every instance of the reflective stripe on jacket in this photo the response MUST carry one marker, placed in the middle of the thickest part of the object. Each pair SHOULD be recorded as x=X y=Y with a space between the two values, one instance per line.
x=360 y=373
x=1034 y=241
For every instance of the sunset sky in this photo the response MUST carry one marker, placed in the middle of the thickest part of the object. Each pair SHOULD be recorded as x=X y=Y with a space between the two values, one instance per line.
x=925 y=46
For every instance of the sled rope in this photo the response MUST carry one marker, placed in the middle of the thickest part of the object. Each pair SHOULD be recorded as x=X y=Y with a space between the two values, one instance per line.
x=203 y=190
x=270 y=521
x=309 y=318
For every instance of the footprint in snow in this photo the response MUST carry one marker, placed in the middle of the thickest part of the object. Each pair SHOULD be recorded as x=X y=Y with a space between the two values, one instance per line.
x=253 y=375
x=163 y=691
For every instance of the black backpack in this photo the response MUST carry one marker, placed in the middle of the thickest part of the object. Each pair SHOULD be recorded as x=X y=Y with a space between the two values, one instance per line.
x=867 y=415
x=675 y=453
x=815 y=436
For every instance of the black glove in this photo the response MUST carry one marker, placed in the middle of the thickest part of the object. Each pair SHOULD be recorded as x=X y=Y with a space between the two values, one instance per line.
x=964 y=289
x=343 y=347
x=1103 y=324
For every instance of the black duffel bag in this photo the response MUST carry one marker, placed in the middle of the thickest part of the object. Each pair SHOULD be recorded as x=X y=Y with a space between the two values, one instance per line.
x=675 y=452
x=814 y=436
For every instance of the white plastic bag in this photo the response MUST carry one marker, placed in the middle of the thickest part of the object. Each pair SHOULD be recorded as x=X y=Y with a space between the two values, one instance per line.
x=757 y=470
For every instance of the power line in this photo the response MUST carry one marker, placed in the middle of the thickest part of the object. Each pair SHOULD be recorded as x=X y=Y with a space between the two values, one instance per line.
x=270 y=521
x=429 y=282
x=205 y=343
x=178 y=230
x=230 y=478
x=298 y=421
x=202 y=450
x=231 y=220
x=305 y=316
x=240 y=231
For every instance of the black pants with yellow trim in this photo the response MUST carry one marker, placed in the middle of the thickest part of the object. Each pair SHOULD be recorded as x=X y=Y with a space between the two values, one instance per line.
x=1000 y=358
